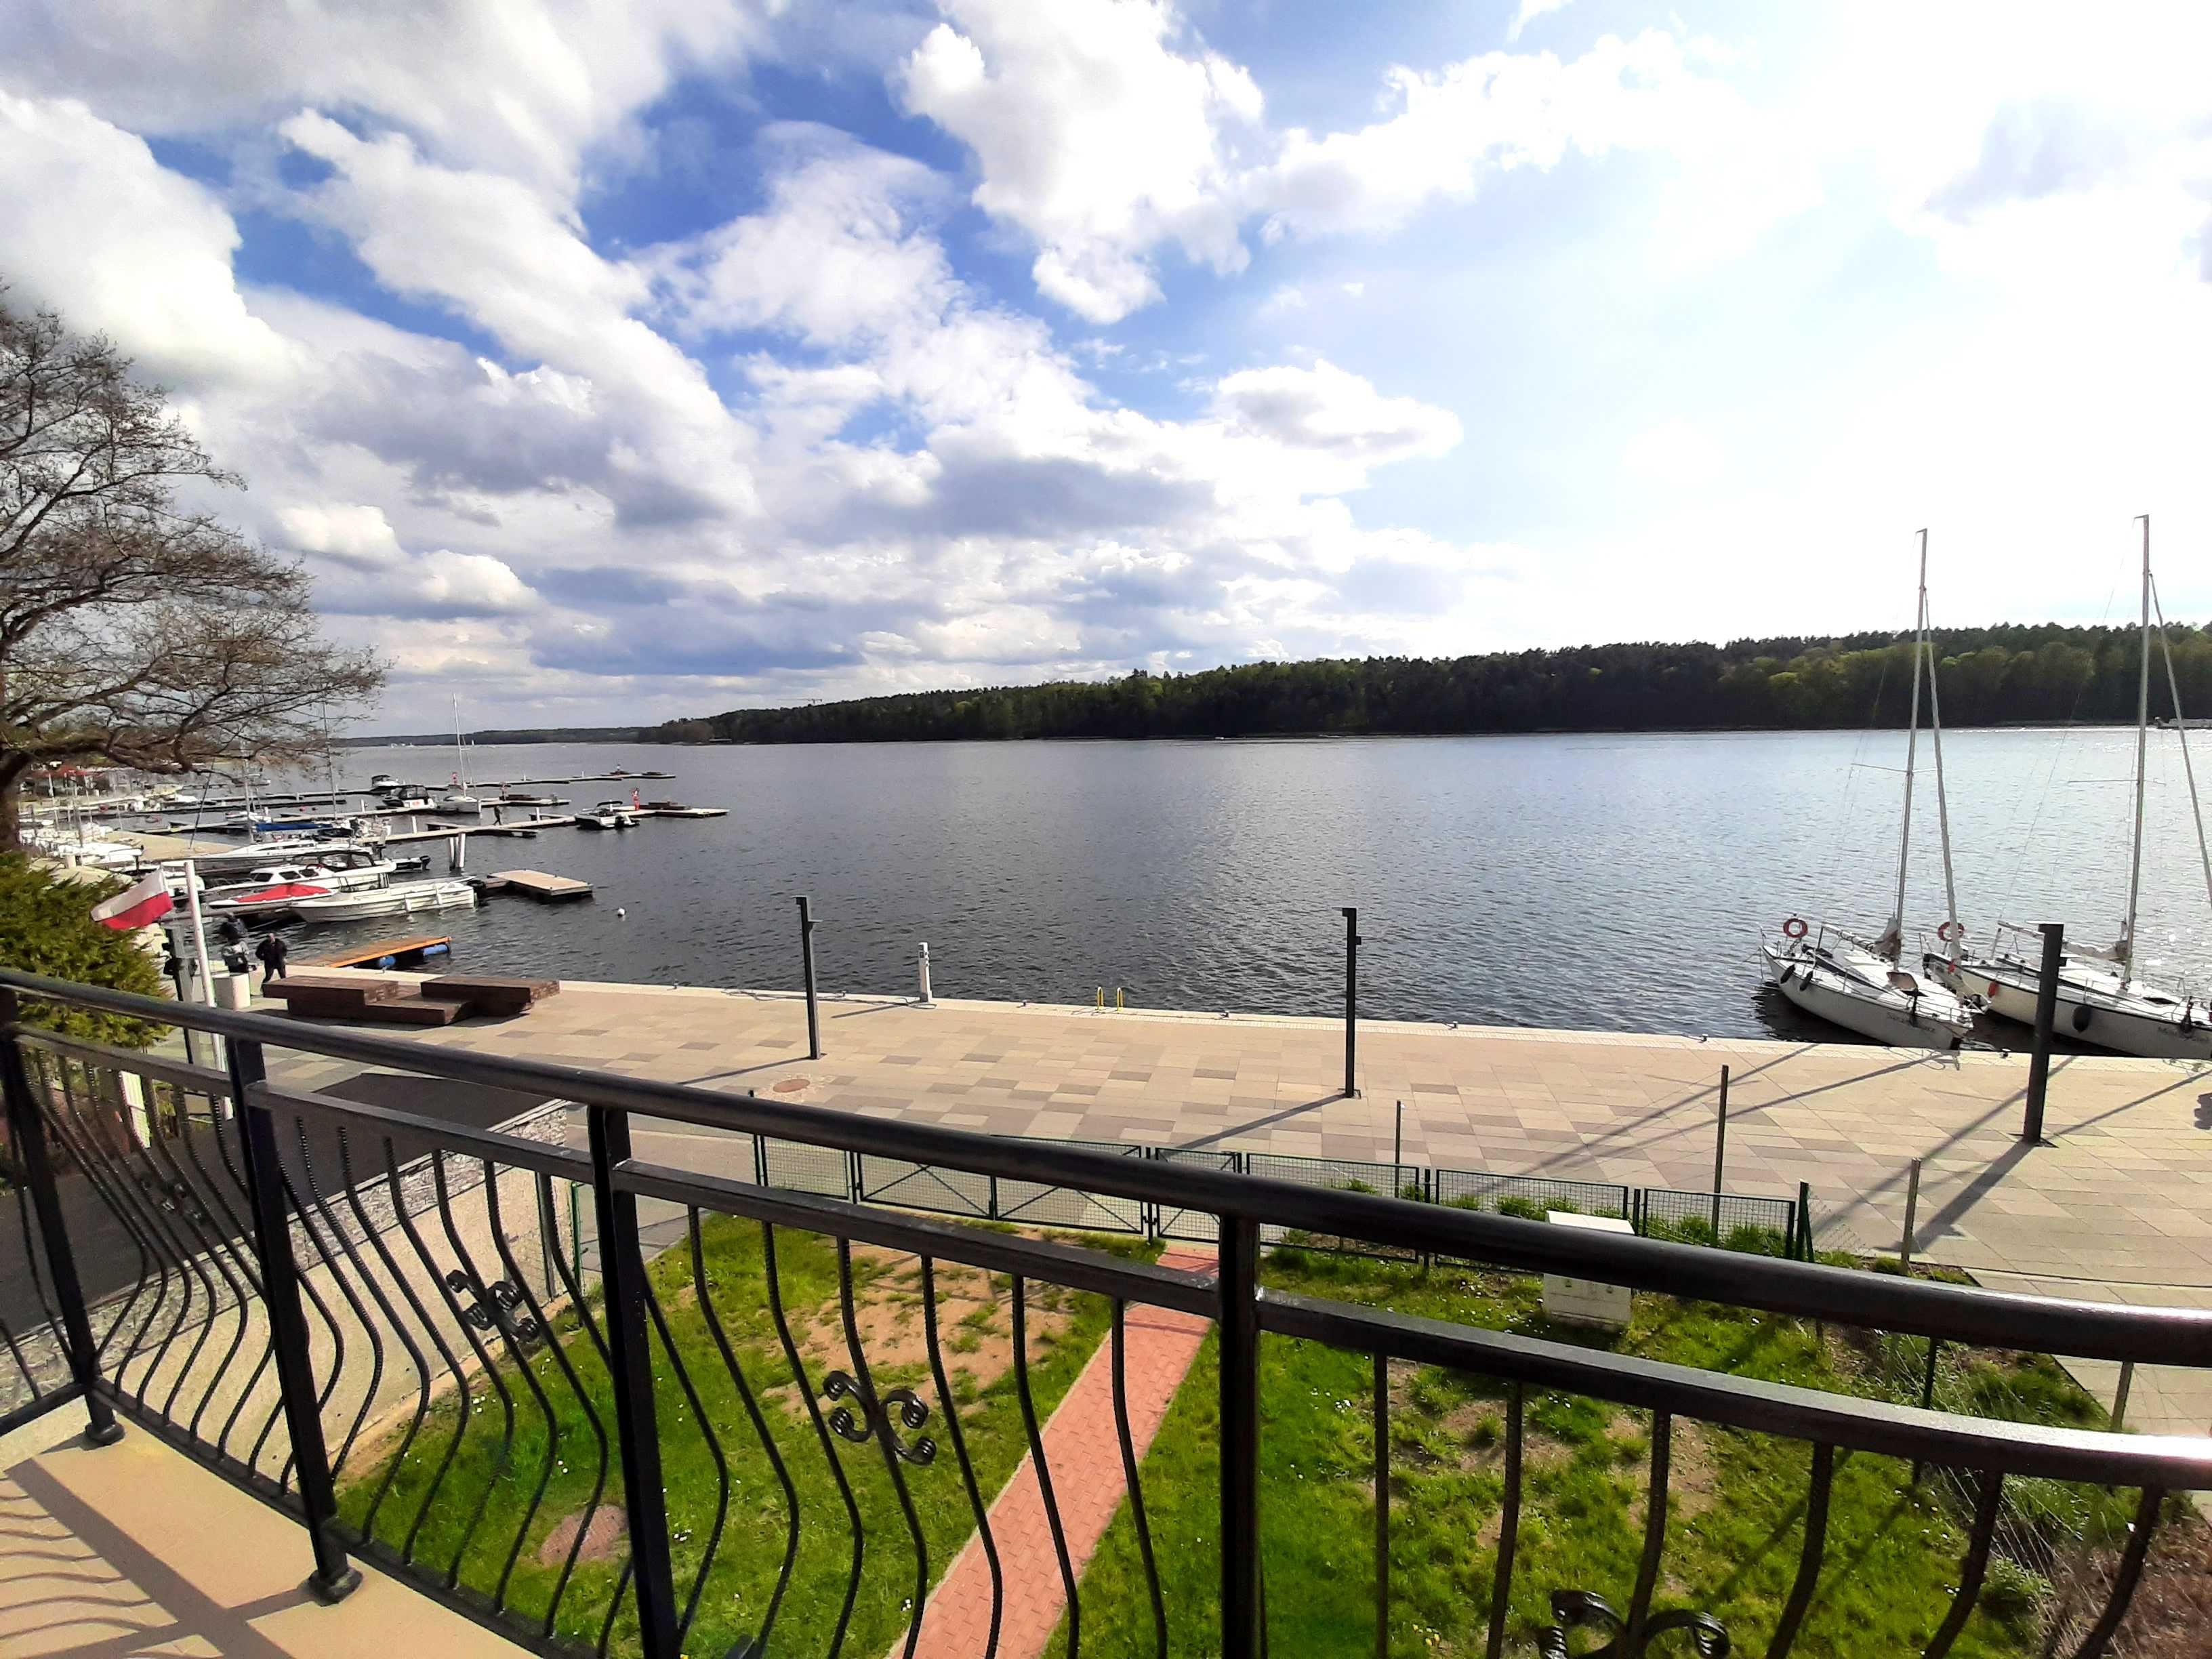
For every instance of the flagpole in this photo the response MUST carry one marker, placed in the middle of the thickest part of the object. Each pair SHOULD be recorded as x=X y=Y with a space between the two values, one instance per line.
x=199 y=951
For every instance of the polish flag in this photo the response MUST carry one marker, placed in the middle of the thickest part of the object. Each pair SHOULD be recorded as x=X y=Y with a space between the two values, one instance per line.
x=139 y=907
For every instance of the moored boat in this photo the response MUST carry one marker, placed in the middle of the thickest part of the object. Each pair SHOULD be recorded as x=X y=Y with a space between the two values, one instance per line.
x=1862 y=986
x=400 y=899
x=2100 y=998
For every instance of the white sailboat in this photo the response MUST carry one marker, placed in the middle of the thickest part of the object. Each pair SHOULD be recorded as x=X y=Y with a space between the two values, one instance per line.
x=2100 y=999
x=1860 y=985
x=461 y=800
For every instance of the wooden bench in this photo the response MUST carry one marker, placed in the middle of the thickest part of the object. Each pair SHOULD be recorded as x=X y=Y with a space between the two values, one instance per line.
x=489 y=994
x=309 y=995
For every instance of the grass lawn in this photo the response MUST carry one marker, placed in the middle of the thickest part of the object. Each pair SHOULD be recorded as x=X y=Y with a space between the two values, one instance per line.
x=478 y=1497
x=1735 y=1524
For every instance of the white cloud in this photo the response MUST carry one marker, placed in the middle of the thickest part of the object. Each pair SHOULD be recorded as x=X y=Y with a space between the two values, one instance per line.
x=361 y=536
x=1674 y=453
x=1529 y=12
x=162 y=285
x=524 y=86
x=1094 y=134
x=1333 y=420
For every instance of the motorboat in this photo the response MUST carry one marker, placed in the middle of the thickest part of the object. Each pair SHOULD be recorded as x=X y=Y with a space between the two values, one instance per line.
x=1859 y=984
x=382 y=782
x=277 y=895
x=398 y=899
x=344 y=869
x=608 y=815
x=2100 y=998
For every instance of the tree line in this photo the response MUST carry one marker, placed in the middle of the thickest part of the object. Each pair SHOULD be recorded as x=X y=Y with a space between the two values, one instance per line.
x=2009 y=674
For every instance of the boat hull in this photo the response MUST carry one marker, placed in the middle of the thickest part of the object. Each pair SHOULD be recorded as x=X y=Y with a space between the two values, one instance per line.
x=388 y=902
x=1893 y=1020
x=2090 y=1019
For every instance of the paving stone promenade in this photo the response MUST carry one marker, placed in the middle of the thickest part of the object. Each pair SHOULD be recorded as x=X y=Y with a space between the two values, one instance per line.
x=2110 y=1207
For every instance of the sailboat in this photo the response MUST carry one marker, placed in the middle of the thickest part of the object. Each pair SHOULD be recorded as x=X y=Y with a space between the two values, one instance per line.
x=2100 y=1000
x=461 y=800
x=1860 y=985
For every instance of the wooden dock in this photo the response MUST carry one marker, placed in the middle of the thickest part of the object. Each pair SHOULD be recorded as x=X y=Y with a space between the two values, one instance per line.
x=388 y=953
x=536 y=883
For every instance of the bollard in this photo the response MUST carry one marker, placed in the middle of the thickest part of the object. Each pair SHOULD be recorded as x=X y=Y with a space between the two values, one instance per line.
x=807 y=963
x=1720 y=1154
x=924 y=971
x=2046 y=1017
x=1912 y=1213
x=1351 y=1001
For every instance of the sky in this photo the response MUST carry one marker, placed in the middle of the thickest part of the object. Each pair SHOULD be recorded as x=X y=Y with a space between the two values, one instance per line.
x=616 y=360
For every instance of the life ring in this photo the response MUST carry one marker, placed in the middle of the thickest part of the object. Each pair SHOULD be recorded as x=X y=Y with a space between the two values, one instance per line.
x=1795 y=929
x=1950 y=932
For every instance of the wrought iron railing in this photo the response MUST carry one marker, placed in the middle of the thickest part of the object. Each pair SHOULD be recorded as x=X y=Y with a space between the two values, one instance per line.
x=606 y=1403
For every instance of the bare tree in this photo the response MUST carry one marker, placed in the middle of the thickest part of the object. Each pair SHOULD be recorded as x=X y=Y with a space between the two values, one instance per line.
x=133 y=630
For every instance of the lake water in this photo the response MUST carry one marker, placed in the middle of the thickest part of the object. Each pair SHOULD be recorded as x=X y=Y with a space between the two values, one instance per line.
x=1607 y=882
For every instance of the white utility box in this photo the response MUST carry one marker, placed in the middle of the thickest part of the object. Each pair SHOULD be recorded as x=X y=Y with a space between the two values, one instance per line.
x=233 y=990
x=1584 y=1301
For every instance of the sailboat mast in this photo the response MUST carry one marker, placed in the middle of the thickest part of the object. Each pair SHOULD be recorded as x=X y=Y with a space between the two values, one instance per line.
x=1894 y=938
x=1942 y=799
x=2126 y=952
x=460 y=759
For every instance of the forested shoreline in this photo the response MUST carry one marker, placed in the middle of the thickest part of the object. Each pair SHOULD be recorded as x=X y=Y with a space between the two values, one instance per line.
x=2005 y=675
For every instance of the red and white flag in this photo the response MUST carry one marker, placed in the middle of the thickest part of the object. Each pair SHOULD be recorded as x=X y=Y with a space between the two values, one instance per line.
x=634 y=800
x=138 y=907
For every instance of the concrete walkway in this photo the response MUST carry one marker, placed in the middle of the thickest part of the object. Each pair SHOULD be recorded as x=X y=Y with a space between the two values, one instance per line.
x=133 y=1548
x=2109 y=1206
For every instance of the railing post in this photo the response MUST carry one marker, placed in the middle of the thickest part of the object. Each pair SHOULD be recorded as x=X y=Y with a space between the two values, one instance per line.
x=1351 y=1002
x=334 y=1577
x=2046 y=1017
x=1804 y=1228
x=1912 y=1217
x=1720 y=1155
x=637 y=1433
x=27 y=1132
x=1239 y=1267
x=806 y=964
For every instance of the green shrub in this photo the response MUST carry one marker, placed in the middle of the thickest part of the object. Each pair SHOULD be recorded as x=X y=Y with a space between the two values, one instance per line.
x=46 y=928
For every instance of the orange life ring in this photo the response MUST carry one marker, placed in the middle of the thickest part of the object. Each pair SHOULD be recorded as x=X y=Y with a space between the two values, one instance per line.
x=1794 y=928
x=1951 y=930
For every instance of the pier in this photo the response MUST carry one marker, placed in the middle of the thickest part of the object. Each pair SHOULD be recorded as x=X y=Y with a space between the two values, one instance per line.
x=536 y=883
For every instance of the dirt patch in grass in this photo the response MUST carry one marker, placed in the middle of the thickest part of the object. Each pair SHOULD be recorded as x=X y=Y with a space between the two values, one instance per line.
x=603 y=1539
x=975 y=1323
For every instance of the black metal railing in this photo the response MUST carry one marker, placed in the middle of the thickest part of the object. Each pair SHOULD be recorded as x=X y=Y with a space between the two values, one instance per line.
x=716 y=1380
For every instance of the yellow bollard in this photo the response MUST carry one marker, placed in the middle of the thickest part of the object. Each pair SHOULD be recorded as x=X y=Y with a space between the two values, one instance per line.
x=1101 y=1002
x=1118 y=1004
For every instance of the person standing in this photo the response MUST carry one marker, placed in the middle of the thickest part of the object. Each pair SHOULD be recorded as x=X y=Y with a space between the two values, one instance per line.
x=273 y=952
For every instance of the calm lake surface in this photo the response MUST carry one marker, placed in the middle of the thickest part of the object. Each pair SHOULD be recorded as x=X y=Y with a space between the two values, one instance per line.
x=1607 y=882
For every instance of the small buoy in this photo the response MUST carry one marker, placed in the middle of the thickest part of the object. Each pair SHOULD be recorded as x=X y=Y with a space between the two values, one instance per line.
x=621 y=911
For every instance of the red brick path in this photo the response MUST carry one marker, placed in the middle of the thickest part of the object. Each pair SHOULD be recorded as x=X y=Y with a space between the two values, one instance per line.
x=1084 y=1453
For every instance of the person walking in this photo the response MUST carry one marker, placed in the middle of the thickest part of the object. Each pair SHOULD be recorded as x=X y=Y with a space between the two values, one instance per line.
x=272 y=951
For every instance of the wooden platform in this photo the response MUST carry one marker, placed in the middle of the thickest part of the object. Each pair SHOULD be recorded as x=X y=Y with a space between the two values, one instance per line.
x=400 y=950
x=536 y=883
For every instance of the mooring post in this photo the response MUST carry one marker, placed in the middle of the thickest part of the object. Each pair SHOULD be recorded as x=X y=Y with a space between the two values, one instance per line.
x=1911 y=1215
x=924 y=971
x=2046 y=1018
x=1720 y=1154
x=807 y=963
x=1351 y=1001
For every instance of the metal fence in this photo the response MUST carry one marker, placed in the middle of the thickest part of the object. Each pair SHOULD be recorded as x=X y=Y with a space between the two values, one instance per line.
x=747 y=1437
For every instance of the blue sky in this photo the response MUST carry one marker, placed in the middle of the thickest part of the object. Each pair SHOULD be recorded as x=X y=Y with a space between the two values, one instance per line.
x=614 y=360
